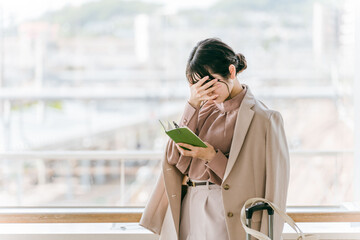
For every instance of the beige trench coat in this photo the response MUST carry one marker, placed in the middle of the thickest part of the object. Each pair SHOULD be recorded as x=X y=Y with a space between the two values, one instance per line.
x=258 y=166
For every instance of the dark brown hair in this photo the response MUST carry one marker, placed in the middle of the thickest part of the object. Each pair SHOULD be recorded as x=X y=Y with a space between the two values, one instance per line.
x=213 y=55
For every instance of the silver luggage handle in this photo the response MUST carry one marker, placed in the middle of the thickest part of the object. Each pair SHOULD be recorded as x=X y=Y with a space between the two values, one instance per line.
x=260 y=207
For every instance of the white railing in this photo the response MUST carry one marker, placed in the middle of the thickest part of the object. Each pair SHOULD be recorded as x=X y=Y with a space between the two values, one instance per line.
x=122 y=156
x=128 y=217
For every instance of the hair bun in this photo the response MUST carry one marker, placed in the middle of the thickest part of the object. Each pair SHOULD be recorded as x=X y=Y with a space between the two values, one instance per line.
x=242 y=64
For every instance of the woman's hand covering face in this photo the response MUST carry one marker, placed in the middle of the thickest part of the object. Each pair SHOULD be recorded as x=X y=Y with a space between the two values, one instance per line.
x=200 y=90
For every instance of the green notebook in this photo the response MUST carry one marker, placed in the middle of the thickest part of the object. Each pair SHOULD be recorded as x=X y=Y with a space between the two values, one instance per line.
x=183 y=135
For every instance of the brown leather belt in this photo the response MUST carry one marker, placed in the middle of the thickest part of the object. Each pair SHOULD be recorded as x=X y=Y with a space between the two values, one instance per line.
x=194 y=184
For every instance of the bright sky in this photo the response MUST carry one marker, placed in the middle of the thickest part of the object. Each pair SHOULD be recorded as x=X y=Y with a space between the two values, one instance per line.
x=19 y=10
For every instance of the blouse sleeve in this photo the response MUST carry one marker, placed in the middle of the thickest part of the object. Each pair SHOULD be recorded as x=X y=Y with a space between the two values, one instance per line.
x=189 y=119
x=204 y=113
x=218 y=164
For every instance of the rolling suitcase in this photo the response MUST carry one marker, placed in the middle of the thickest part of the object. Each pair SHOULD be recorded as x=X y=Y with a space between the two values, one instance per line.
x=259 y=204
x=260 y=207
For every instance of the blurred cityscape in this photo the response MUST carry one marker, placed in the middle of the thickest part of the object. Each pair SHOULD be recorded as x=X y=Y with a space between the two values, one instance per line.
x=300 y=58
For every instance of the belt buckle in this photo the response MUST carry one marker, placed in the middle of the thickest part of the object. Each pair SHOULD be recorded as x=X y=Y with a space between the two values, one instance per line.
x=191 y=183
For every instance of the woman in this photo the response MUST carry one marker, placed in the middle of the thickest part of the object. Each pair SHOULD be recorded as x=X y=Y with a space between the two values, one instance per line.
x=246 y=155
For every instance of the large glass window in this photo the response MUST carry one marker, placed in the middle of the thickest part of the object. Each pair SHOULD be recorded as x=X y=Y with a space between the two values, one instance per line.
x=97 y=75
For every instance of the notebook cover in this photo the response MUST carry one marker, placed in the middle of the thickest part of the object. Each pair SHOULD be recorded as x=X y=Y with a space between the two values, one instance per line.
x=185 y=135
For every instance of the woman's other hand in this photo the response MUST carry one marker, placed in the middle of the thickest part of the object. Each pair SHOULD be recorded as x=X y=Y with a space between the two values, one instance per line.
x=201 y=92
x=206 y=154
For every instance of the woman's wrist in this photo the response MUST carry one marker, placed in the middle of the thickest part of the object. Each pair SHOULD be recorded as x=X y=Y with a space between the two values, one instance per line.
x=193 y=103
x=212 y=157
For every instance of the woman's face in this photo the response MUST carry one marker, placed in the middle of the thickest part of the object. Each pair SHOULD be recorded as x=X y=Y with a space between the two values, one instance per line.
x=224 y=89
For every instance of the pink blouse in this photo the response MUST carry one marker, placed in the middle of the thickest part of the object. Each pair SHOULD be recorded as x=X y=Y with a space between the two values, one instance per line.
x=213 y=123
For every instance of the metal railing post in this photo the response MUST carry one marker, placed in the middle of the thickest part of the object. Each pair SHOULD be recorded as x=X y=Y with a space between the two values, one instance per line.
x=19 y=181
x=122 y=182
x=356 y=97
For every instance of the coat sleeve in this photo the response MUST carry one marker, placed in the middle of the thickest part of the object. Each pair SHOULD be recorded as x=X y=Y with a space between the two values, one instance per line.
x=277 y=172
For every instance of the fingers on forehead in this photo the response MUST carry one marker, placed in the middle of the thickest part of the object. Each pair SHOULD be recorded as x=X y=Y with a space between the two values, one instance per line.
x=196 y=77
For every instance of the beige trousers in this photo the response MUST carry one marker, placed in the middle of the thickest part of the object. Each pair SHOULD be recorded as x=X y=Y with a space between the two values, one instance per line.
x=202 y=214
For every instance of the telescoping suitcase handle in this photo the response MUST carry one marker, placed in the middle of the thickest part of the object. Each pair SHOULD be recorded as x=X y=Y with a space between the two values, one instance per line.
x=260 y=207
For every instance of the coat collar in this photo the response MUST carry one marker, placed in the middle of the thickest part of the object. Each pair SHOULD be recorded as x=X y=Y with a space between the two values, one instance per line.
x=242 y=124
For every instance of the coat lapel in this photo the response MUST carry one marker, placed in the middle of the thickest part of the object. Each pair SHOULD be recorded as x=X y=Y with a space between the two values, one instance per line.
x=242 y=124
